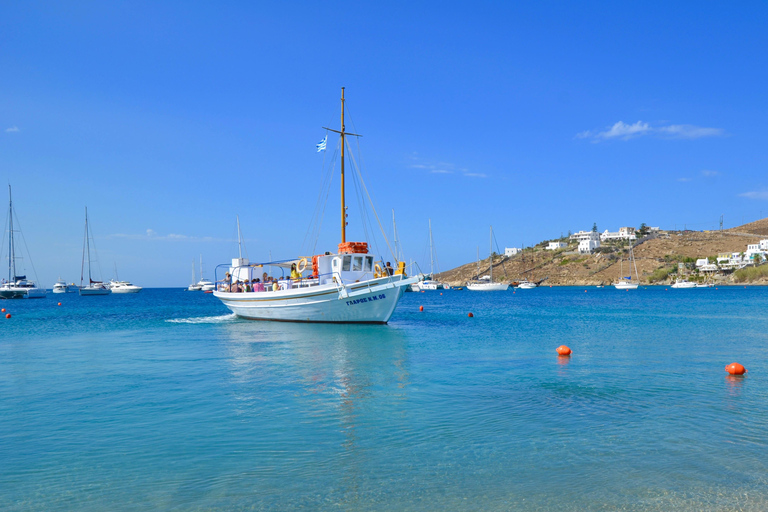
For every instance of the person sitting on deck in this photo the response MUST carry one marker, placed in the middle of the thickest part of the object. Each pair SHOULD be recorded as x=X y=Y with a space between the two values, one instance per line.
x=247 y=286
x=227 y=283
x=389 y=269
x=264 y=277
x=295 y=274
x=275 y=285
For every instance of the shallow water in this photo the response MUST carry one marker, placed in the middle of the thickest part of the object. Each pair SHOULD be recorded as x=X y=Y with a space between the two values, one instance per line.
x=163 y=400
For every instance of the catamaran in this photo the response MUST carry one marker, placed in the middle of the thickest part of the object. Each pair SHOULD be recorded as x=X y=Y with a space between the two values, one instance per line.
x=92 y=287
x=348 y=286
x=483 y=285
x=17 y=287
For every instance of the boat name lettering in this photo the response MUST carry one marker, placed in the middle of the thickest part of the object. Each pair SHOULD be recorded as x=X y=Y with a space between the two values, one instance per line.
x=366 y=299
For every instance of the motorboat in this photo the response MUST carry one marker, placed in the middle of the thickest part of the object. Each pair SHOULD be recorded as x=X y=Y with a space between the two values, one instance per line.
x=527 y=285
x=61 y=286
x=91 y=287
x=123 y=287
x=705 y=285
x=347 y=286
x=487 y=285
x=683 y=283
x=17 y=286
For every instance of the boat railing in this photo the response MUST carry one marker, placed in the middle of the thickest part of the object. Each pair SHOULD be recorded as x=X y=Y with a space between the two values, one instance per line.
x=284 y=282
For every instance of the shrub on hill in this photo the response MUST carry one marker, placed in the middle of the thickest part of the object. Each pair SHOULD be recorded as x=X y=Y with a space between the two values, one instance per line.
x=748 y=274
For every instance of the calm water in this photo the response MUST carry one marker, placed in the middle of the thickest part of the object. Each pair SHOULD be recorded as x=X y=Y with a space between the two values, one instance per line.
x=163 y=401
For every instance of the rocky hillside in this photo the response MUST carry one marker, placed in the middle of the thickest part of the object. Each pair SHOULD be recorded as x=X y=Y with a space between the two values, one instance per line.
x=655 y=259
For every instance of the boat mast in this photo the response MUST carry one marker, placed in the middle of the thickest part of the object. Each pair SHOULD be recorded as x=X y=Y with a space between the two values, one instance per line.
x=11 y=255
x=394 y=229
x=239 y=239
x=431 y=253
x=490 y=254
x=343 y=207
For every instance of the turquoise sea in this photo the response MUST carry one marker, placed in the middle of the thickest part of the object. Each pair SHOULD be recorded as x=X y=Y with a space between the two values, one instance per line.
x=164 y=401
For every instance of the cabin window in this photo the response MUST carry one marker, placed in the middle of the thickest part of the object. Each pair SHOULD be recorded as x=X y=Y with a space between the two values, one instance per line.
x=336 y=262
x=357 y=264
x=345 y=265
x=368 y=264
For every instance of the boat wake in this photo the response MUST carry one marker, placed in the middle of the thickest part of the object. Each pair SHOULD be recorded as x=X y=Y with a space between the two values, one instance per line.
x=203 y=319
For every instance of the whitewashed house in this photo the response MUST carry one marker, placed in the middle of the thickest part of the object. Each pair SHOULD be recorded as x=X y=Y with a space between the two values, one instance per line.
x=626 y=233
x=553 y=246
x=588 y=246
x=511 y=251
x=704 y=265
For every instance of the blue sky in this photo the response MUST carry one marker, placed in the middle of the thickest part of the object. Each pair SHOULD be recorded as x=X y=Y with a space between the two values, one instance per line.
x=168 y=119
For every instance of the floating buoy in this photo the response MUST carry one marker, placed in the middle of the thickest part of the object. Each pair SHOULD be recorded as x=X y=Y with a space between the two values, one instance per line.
x=735 y=369
x=563 y=350
x=585 y=291
x=422 y=291
x=421 y=308
x=470 y=315
x=2 y=310
x=59 y=304
x=441 y=293
x=8 y=315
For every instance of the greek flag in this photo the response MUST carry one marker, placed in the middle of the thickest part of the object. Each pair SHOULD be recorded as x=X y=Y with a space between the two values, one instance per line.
x=321 y=144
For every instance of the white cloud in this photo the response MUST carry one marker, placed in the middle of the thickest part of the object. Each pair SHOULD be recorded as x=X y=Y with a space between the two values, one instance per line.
x=684 y=179
x=624 y=131
x=688 y=131
x=756 y=194
x=440 y=171
x=443 y=168
x=709 y=174
x=12 y=129
x=475 y=175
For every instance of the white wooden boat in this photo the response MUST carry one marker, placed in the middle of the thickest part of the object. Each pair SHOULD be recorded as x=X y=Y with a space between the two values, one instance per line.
x=345 y=287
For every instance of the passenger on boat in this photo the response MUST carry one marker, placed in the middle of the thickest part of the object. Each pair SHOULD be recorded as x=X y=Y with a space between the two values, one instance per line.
x=275 y=286
x=264 y=277
x=247 y=287
x=389 y=269
x=295 y=274
x=227 y=283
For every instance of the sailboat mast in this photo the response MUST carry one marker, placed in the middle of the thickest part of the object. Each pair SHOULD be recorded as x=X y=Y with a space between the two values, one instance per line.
x=239 y=239
x=11 y=253
x=490 y=254
x=431 y=251
x=394 y=230
x=88 y=246
x=343 y=206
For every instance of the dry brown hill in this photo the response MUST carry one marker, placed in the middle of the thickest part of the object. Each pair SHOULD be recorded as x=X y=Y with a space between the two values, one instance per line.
x=655 y=258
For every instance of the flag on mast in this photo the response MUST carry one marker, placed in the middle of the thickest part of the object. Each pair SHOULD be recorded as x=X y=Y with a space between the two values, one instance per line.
x=321 y=144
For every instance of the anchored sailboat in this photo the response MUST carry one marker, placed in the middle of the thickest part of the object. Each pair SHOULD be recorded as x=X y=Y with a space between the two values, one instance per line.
x=92 y=287
x=346 y=287
x=17 y=287
x=625 y=282
x=487 y=286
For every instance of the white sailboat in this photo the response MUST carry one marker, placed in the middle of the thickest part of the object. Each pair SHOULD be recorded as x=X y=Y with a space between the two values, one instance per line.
x=193 y=286
x=204 y=284
x=483 y=285
x=684 y=283
x=345 y=287
x=17 y=286
x=430 y=283
x=625 y=282
x=92 y=287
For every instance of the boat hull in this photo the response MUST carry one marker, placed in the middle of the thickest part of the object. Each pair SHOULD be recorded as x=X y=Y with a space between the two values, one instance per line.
x=685 y=285
x=94 y=291
x=626 y=286
x=488 y=287
x=12 y=293
x=127 y=289
x=371 y=302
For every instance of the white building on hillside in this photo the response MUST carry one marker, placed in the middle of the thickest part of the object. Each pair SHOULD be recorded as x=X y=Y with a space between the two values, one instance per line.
x=757 y=252
x=626 y=233
x=511 y=251
x=553 y=246
x=585 y=235
x=589 y=245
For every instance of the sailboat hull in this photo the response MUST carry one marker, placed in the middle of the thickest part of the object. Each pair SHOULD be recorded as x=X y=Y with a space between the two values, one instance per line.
x=371 y=302
x=487 y=287
x=626 y=286
x=94 y=291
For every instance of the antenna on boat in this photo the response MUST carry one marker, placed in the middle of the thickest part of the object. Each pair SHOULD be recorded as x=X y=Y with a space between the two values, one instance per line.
x=343 y=134
x=239 y=239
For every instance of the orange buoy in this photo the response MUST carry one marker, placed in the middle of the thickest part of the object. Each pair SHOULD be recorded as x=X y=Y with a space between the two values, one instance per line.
x=563 y=350
x=585 y=291
x=735 y=369
x=59 y=304
x=470 y=315
x=422 y=291
x=421 y=308
x=2 y=310
x=8 y=315
x=441 y=293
